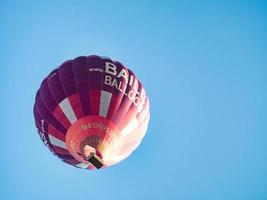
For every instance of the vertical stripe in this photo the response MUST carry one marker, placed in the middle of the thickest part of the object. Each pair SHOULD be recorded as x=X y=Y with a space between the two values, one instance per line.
x=68 y=111
x=94 y=101
x=57 y=142
x=129 y=127
x=104 y=103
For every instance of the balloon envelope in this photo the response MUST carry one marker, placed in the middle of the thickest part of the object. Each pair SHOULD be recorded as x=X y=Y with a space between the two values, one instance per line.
x=91 y=105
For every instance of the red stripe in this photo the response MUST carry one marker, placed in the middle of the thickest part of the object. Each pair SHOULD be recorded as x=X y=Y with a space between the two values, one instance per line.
x=123 y=109
x=56 y=133
x=95 y=101
x=59 y=150
x=61 y=117
x=113 y=106
x=76 y=105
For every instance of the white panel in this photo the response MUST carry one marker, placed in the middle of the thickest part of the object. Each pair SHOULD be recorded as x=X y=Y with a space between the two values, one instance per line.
x=104 y=103
x=68 y=111
x=57 y=142
x=82 y=165
x=129 y=127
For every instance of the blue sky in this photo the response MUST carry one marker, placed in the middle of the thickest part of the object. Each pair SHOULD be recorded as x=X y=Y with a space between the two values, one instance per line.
x=204 y=66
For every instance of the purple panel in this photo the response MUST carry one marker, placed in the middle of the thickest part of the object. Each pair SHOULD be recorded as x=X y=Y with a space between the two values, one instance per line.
x=46 y=115
x=66 y=78
x=65 y=157
x=80 y=72
x=95 y=66
x=55 y=87
x=71 y=162
x=47 y=96
x=52 y=72
x=42 y=127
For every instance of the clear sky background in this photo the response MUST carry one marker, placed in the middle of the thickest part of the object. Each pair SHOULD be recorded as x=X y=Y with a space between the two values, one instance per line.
x=204 y=66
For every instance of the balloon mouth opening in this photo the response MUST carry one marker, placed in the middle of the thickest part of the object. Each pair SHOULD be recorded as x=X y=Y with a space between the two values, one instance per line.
x=92 y=155
x=91 y=139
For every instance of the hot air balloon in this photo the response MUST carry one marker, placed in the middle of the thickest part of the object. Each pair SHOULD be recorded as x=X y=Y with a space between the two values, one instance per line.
x=91 y=112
